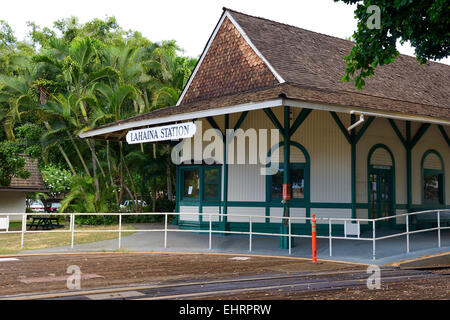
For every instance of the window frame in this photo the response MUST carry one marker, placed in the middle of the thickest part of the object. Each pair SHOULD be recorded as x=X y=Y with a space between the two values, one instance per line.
x=295 y=165
x=441 y=179
x=438 y=172
x=201 y=172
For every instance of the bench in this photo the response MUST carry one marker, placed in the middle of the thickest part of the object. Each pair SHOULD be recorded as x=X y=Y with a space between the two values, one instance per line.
x=46 y=223
x=4 y=223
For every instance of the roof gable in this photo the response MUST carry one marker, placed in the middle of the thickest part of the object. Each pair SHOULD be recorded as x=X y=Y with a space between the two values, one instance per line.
x=229 y=64
x=316 y=60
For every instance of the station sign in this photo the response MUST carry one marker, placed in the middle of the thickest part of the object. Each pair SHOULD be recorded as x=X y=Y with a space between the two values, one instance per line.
x=170 y=132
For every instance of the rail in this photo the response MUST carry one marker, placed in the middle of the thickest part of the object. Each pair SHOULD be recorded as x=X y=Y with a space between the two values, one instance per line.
x=250 y=233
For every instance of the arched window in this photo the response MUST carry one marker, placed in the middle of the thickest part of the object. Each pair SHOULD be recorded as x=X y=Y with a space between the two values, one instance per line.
x=299 y=174
x=432 y=178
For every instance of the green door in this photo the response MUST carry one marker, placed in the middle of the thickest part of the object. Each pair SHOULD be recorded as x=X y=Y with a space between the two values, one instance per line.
x=380 y=193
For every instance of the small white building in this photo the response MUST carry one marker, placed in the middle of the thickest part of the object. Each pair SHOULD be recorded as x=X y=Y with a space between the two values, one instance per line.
x=13 y=197
x=260 y=74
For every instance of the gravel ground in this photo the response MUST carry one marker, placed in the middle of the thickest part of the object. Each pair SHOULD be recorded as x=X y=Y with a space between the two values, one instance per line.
x=47 y=273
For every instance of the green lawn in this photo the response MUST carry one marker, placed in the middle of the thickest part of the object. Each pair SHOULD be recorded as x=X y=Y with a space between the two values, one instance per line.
x=10 y=243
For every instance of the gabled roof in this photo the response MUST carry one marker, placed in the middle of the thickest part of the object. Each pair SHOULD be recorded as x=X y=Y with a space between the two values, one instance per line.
x=34 y=183
x=249 y=60
x=309 y=58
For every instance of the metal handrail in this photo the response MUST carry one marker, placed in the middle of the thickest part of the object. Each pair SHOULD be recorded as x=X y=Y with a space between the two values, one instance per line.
x=250 y=233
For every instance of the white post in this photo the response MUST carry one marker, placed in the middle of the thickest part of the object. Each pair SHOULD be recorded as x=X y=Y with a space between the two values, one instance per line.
x=373 y=240
x=24 y=228
x=407 y=233
x=210 y=231
x=359 y=229
x=72 y=228
x=165 y=232
x=250 y=235
x=439 y=228
x=330 y=239
x=289 y=238
x=120 y=231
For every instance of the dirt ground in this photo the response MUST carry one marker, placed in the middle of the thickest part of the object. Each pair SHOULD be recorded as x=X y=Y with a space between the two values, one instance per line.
x=47 y=273
x=426 y=289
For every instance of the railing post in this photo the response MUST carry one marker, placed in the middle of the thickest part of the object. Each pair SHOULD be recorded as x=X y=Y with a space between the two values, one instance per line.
x=120 y=231
x=210 y=231
x=439 y=228
x=24 y=228
x=250 y=234
x=407 y=233
x=289 y=237
x=165 y=232
x=373 y=240
x=72 y=228
x=330 y=237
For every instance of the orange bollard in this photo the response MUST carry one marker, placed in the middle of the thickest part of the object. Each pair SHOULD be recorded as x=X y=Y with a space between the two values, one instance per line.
x=314 y=239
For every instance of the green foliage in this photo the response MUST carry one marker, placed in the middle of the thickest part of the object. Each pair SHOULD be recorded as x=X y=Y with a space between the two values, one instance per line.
x=73 y=77
x=96 y=220
x=426 y=24
x=82 y=197
x=11 y=163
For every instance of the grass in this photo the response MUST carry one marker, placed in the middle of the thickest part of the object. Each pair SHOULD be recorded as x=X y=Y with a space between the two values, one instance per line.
x=10 y=243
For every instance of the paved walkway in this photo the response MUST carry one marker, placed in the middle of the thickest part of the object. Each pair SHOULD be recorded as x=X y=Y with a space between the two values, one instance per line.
x=358 y=251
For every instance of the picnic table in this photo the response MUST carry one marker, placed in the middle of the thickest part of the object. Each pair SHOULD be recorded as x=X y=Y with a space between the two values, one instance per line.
x=46 y=223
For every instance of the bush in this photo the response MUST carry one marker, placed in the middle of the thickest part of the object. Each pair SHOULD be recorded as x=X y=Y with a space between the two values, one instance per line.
x=162 y=205
x=96 y=220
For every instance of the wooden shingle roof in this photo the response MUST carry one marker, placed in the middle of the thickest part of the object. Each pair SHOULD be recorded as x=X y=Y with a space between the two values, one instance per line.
x=34 y=183
x=316 y=60
x=267 y=60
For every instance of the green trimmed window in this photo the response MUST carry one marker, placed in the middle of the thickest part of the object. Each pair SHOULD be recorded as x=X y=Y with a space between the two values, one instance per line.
x=432 y=178
x=297 y=177
x=211 y=183
x=191 y=183
x=201 y=183
x=433 y=187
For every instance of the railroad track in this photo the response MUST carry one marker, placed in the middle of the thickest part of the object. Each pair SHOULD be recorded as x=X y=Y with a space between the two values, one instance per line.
x=299 y=282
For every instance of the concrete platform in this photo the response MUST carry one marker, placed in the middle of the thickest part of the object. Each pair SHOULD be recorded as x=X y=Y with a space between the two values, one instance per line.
x=357 y=251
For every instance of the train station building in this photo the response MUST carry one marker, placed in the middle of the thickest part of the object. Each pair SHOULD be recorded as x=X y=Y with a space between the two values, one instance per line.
x=342 y=152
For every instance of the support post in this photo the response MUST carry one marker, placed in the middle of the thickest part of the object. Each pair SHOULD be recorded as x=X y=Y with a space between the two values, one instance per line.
x=289 y=237
x=250 y=234
x=373 y=240
x=286 y=176
x=210 y=231
x=24 y=227
x=165 y=231
x=225 y=173
x=408 y=166
x=330 y=237
x=120 y=231
x=72 y=228
x=407 y=234
x=353 y=164
x=439 y=228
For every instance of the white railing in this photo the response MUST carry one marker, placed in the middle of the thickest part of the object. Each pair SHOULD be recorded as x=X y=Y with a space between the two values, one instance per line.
x=250 y=233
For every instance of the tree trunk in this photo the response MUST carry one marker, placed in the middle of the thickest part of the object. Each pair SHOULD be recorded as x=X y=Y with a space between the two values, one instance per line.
x=113 y=185
x=169 y=175
x=94 y=170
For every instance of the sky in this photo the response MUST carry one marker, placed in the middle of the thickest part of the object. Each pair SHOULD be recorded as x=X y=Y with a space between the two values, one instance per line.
x=189 y=22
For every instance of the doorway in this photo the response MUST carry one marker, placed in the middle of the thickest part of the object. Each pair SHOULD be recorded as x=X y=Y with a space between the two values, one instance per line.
x=381 y=193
